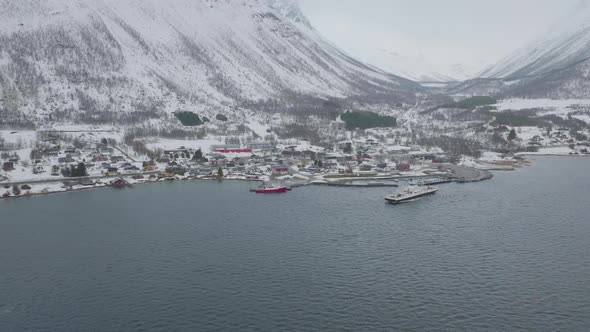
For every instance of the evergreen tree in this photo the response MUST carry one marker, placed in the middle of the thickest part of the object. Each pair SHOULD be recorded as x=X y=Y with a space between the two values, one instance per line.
x=347 y=149
x=188 y=119
x=220 y=173
x=66 y=172
x=198 y=155
x=81 y=170
x=512 y=135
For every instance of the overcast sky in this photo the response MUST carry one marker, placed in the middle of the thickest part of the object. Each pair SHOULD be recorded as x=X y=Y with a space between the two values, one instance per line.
x=443 y=31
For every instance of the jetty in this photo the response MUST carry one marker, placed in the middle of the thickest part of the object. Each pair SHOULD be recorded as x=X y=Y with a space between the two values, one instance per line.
x=464 y=174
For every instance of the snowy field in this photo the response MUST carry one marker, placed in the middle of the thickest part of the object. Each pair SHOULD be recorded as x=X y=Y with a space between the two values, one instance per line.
x=551 y=151
x=14 y=137
x=558 y=107
x=171 y=144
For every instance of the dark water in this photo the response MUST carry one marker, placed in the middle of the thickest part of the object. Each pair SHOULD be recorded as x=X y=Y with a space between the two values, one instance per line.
x=509 y=254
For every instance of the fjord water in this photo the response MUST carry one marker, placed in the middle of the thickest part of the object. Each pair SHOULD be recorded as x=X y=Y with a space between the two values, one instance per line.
x=512 y=253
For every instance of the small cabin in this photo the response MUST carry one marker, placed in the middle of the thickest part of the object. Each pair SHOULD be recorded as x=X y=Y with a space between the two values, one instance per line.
x=55 y=170
x=120 y=182
x=112 y=171
x=117 y=159
x=8 y=166
x=403 y=167
x=280 y=169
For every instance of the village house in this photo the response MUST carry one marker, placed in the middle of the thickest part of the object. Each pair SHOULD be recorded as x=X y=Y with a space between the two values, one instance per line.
x=87 y=182
x=71 y=151
x=49 y=137
x=201 y=171
x=55 y=170
x=220 y=147
x=117 y=159
x=403 y=167
x=262 y=146
x=177 y=170
x=149 y=166
x=178 y=153
x=65 y=160
x=38 y=170
x=99 y=157
x=330 y=164
x=365 y=167
x=112 y=171
x=119 y=182
x=280 y=169
x=397 y=149
x=130 y=167
x=8 y=166
x=51 y=151
x=105 y=150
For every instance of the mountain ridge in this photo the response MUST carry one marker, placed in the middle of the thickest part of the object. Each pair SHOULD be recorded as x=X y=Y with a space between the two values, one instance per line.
x=556 y=65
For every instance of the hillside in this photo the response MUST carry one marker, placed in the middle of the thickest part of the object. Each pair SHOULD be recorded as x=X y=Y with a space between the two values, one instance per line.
x=101 y=60
x=554 y=66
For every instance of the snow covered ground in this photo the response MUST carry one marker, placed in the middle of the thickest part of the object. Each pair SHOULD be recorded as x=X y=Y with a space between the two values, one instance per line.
x=171 y=144
x=552 y=151
x=18 y=137
x=258 y=128
x=555 y=106
x=527 y=133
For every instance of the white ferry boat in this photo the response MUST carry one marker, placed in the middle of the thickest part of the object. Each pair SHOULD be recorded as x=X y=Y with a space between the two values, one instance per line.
x=410 y=193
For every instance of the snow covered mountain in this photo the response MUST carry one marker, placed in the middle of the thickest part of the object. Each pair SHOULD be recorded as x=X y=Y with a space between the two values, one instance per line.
x=557 y=65
x=565 y=44
x=95 y=58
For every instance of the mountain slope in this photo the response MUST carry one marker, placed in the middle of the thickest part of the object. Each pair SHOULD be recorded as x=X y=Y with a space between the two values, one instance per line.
x=555 y=66
x=566 y=44
x=94 y=59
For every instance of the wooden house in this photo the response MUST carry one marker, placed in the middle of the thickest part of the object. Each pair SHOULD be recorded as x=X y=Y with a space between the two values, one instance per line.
x=8 y=166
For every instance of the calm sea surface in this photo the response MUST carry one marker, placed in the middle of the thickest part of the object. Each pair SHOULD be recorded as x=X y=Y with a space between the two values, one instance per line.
x=508 y=254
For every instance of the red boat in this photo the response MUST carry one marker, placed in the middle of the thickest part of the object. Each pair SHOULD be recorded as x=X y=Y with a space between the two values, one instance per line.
x=271 y=190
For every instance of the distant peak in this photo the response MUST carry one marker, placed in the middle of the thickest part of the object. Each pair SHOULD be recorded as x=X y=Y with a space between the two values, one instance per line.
x=290 y=9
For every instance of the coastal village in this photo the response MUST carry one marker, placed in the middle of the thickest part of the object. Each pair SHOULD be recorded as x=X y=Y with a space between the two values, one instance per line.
x=70 y=160
x=65 y=168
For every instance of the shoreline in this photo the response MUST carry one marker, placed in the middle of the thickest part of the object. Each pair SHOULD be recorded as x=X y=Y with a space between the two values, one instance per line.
x=458 y=176
x=105 y=186
x=60 y=188
x=543 y=154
